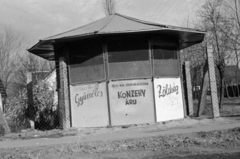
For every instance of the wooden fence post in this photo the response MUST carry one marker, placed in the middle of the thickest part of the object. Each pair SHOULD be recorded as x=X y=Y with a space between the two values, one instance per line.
x=3 y=120
x=189 y=88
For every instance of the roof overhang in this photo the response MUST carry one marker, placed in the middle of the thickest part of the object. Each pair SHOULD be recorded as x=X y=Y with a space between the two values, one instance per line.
x=109 y=26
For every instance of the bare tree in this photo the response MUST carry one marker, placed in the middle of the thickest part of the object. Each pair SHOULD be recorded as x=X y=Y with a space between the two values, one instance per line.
x=232 y=16
x=10 y=45
x=213 y=21
x=220 y=18
x=231 y=30
x=109 y=6
x=15 y=62
x=232 y=8
x=34 y=64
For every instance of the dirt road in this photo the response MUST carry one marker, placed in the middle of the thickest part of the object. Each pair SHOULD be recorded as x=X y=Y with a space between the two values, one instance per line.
x=180 y=138
x=209 y=156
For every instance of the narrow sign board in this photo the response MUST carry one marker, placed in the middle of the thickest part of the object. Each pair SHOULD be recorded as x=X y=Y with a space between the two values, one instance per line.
x=89 y=105
x=168 y=99
x=131 y=102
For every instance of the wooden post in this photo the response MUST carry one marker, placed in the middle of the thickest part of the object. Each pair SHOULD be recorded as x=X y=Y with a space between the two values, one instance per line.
x=213 y=83
x=204 y=87
x=3 y=120
x=189 y=88
x=181 y=75
x=31 y=111
x=63 y=97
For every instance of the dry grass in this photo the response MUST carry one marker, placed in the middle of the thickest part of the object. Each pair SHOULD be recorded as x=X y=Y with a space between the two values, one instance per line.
x=231 y=107
x=31 y=134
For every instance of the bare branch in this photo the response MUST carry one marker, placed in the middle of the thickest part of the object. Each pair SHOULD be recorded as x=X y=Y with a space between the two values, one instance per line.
x=109 y=7
x=10 y=45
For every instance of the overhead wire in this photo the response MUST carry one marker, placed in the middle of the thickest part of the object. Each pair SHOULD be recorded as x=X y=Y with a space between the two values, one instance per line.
x=181 y=4
x=168 y=13
x=171 y=7
x=156 y=10
x=160 y=10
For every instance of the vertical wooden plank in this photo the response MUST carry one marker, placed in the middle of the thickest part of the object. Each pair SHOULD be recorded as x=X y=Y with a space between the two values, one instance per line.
x=204 y=87
x=189 y=88
x=106 y=70
x=180 y=73
x=152 y=75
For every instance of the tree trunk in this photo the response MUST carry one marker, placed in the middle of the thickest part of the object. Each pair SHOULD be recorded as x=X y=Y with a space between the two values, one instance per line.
x=221 y=88
x=237 y=64
x=31 y=110
x=234 y=95
x=226 y=87
x=237 y=87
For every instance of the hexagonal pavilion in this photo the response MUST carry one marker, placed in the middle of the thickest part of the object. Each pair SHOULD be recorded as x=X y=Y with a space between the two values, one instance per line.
x=119 y=71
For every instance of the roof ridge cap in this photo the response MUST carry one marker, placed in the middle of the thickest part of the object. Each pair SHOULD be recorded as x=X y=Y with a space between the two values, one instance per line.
x=157 y=24
x=142 y=21
x=113 y=15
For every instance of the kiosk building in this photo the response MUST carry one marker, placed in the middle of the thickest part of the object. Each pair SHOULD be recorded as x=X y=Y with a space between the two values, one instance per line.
x=118 y=71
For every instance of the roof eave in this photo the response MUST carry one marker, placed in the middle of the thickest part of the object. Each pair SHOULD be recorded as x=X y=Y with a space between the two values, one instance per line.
x=45 y=49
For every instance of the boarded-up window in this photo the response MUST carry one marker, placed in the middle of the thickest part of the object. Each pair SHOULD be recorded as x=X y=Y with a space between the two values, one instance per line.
x=86 y=61
x=128 y=57
x=165 y=56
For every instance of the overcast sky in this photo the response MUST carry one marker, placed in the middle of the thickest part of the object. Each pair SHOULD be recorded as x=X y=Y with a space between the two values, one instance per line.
x=38 y=19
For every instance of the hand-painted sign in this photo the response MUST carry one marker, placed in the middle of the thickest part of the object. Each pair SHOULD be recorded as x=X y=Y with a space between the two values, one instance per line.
x=131 y=102
x=168 y=99
x=89 y=106
x=167 y=90
x=131 y=94
x=89 y=92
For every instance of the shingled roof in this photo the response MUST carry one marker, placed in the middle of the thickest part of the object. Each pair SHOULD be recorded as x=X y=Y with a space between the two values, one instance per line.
x=117 y=24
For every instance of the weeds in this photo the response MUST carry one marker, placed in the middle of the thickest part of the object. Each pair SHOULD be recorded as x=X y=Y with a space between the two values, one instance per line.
x=45 y=113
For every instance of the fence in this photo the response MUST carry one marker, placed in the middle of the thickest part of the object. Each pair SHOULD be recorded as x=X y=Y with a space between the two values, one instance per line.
x=205 y=88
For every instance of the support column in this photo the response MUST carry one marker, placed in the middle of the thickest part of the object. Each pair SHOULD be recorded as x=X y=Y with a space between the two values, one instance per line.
x=31 y=112
x=63 y=98
x=189 y=88
x=213 y=84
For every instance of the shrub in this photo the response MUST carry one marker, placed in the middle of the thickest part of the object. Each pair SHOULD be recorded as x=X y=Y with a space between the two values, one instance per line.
x=45 y=113
x=15 y=112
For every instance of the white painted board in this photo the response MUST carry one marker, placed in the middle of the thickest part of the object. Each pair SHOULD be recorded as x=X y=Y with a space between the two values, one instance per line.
x=168 y=99
x=89 y=105
x=131 y=102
